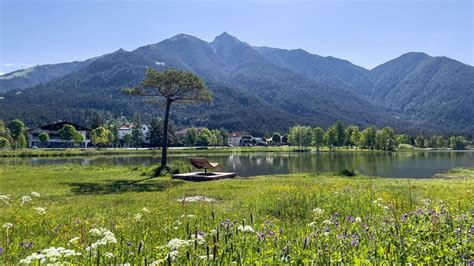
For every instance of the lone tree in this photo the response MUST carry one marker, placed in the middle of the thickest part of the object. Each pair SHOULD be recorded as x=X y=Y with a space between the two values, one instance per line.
x=168 y=87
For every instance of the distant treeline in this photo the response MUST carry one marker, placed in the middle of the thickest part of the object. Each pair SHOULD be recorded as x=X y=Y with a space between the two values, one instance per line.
x=337 y=136
x=106 y=134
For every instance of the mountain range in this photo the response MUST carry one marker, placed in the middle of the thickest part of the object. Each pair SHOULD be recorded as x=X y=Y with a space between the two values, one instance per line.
x=257 y=89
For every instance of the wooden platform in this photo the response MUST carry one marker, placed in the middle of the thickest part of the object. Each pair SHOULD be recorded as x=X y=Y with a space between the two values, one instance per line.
x=199 y=176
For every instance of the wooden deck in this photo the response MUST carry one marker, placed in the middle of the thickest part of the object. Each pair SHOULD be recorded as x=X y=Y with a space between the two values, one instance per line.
x=199 y=176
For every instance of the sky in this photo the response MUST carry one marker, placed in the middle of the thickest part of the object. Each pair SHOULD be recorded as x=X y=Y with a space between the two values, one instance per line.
x=367 y=33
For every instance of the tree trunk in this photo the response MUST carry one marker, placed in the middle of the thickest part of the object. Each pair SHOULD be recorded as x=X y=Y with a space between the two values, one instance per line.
x=164 y=146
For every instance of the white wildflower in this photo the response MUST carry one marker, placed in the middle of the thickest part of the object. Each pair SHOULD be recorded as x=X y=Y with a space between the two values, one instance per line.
x=107 y=238
x=35 y=194
x=51 y=255
x=7 y=225
x=177 y=243
x=25 y=199
x=40 y=211
x=5 y=198
x=109 y=255
x=318 y=211
x=246 y=228
x=327 y=222
x=204 y=257
x=173 y=255
x=312 y=224
x=200 y=239
x=145 y=210
x=138 y=217
x=386 y=207
x=358 y=219
x=74 y=240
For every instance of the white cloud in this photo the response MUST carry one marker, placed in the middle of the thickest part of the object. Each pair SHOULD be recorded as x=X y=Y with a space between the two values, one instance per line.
x=8 y=64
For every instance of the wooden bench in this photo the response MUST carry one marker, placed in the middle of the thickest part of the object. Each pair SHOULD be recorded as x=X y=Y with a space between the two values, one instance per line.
x=203 y=163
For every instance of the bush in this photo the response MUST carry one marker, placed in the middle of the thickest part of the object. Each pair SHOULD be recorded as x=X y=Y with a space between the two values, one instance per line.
x=348 y=172
x=4 y=143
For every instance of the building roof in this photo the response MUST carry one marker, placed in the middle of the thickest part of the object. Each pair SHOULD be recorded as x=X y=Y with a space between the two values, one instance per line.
x=238 y=134
x=59 y=125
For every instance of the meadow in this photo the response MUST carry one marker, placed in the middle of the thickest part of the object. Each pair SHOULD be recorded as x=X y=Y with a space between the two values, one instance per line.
x=117 y=215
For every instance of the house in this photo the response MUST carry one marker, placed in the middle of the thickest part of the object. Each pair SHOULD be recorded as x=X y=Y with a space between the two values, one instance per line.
x=55 y=140
x=128 y=128
x=239 y=139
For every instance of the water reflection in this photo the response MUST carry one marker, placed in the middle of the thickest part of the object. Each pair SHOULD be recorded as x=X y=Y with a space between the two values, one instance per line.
x=395 y=164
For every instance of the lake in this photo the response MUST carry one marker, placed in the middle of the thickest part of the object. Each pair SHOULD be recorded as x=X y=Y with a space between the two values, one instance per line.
x=417 y=164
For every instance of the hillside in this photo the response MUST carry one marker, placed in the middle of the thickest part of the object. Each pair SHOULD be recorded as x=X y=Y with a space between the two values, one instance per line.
x=258 y=89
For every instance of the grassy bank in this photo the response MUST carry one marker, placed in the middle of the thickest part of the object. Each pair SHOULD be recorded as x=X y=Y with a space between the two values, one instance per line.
x=104 y=215
x=90 y=152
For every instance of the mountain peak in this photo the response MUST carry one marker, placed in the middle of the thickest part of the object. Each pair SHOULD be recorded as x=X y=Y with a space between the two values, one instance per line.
x=226 y=39
x=182 y=36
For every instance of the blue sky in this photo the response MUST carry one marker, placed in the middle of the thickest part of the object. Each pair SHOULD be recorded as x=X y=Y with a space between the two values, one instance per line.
x=367 y=33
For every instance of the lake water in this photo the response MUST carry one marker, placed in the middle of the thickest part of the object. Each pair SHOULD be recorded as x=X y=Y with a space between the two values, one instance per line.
x=387 y=164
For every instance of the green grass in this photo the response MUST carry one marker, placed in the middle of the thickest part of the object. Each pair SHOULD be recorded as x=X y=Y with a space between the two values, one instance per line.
x=227 y=150
x=362 y=220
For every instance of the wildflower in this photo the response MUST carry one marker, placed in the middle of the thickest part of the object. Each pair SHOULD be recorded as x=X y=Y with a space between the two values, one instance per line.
x=25 y=199
x=261 y=236
x=205 y=257
x=35 y=194
x=74 y=240
x=129 y=243
x=145 y=210
x=49 y=255
x=358 y=219
x=404 y=217
x=177 y=243
x=173 y=255
x=1 y=250
x=40 y=211
x=107 y=238
x=280 y=230
x=327 y=222
x=7 y=225
x=5 y=198
x=109 y=255
x=312 y=224
x=318 y=211
x=137 y=217
x=246 y=228
x=350 y=219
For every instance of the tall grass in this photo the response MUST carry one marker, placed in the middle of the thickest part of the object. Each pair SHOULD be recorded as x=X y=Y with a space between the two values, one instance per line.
x=107 y=215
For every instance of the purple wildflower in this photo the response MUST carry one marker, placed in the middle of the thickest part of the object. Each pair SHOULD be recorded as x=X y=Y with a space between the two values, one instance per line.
x=1 y=250
x=280 y=230
x=30 y=245
x=420 y=211
x=129 y=243
x=404 y=217
x=354 y=242
x=270 y=233
x=261 y=236
x=22 y=245
x=201 y=233
x=350 y=219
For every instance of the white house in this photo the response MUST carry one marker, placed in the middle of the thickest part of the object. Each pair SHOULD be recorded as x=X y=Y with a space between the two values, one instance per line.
x=239 y=139
x=128 y=128
x=55 y=140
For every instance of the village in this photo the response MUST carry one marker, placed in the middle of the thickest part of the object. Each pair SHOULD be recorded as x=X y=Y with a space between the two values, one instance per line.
x=125 y=133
